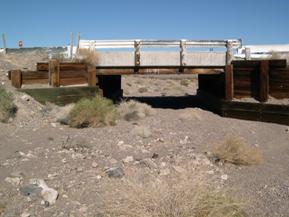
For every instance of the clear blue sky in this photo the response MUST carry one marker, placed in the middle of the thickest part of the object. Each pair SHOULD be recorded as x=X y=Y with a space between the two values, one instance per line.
x=49 y=22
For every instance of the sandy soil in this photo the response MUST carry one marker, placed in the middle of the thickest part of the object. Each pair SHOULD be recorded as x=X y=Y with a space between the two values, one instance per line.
x=34 y=145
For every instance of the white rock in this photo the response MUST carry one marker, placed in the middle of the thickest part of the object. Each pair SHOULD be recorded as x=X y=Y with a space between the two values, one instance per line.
x=25 y=97
x=165 y=172
x=94 y=164
x=128 y=159
x=16 y=181
x=179 y=169
x=53 y=124
x=49 y=195
x=120 y=143
x=224 y=177
x=25 y=214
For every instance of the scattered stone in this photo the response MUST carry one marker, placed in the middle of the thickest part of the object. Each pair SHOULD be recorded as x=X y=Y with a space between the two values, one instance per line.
x=224 y=177
x=16 y=181
x=94 y=164
x=184 y=141
x=25 y=98
x=148 y=163
x=128 y=159
x=30 y=189
x=53 y=124
x=155 y=155
x=160 y=140
x=25 y=214
x=115 y=172
x=49 y=195
x=165 y=172
x=210 y=172
x=179 y=169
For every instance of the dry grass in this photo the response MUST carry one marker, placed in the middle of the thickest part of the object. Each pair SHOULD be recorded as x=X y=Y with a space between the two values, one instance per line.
x=142 y=90
x=7 y=108
x=87 y=56
x=2 y=208
x=141 y=194
x=141 y=131
x=237 y=151
x=96 y=112
x=132 y=110
x=185 y=82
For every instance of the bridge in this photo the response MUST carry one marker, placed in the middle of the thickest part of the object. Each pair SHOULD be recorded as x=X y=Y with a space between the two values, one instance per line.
x=221 y=78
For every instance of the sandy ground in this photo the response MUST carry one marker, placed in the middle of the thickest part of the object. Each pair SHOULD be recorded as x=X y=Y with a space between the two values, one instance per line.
x=34 y=145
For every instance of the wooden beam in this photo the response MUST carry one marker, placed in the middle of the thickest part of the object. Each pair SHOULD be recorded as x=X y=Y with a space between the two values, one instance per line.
x=54 y=76
x=16 y=78
x=91 y=76
x=264 y=81
x=229 y=82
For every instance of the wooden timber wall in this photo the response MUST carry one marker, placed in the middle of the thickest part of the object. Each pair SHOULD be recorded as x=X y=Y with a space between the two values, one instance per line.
x=55 y=74
x=250 y=79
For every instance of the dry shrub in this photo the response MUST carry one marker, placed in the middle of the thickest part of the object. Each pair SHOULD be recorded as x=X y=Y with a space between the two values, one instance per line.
x=142 y=194
x=7 y=108
x=141 y=131
x=88 y=56
x=2 y=208
x=190 y=115
x=62 y=113
x=237 y=151
x=185 y=82
x=142 y=90
x=95 y=112
x=132 y=110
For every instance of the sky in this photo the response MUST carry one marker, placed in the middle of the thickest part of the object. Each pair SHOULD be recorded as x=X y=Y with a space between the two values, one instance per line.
x=50 y=22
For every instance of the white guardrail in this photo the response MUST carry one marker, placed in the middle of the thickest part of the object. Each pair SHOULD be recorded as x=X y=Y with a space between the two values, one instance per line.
x=114 y=44
x=182 y=58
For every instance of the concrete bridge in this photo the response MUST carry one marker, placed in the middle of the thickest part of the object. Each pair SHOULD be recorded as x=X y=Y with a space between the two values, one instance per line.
x=160 y=56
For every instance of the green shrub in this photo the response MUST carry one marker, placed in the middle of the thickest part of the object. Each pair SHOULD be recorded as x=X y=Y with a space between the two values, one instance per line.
x=7 y=107
x=96 y=112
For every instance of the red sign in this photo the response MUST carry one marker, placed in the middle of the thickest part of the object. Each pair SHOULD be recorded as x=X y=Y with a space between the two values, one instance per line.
x=20 y=44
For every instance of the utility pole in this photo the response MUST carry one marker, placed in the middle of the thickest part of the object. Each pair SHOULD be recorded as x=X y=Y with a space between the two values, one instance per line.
x=4 y=43
x=71 y=45
x=78 y=41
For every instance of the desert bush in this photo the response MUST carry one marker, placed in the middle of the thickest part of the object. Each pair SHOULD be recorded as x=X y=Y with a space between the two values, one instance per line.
x=132 y=110
x=95 y=112
x=7 y=108
x=87 y=56
x=185 y=82
x=141 y=131
x=187 y=194
x=142 y=90
x=2 y=208
x=236 y=150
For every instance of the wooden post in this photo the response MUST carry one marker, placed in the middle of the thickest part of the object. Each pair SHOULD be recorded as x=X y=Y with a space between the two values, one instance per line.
x=229 y=82
x=54 y=73
x=264 y=80
x=16 y=78
x=91 y=76
x=136 y=55
x=4 y=43
x=229 y=53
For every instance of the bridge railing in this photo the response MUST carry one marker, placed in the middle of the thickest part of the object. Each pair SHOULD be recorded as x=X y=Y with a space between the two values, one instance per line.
x=183 y=45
